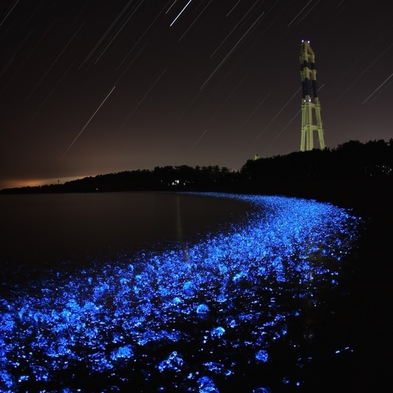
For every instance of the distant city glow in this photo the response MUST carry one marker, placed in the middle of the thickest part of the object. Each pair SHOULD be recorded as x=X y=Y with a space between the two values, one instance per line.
x=123 y=323
x=39 y=182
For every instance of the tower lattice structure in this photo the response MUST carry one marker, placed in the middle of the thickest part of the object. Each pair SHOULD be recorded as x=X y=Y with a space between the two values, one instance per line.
x=311 y=107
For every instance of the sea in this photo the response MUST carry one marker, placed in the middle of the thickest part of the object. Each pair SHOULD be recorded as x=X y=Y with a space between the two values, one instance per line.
x=52 y=228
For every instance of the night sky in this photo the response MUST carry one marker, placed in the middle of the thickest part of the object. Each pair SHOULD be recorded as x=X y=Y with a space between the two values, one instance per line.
x=102 y=86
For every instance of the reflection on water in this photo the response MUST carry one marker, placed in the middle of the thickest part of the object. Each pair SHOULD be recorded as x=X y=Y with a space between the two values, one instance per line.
x=179 y=230
x=238 y=311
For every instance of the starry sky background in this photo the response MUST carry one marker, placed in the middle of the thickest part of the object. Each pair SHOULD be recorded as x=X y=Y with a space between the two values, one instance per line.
x=91 y=87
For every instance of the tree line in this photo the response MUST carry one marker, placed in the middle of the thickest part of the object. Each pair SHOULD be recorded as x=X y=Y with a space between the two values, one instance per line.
x=350 y=162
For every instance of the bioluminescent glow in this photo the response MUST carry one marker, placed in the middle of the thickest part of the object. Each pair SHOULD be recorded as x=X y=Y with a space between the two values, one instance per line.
x=177 y=320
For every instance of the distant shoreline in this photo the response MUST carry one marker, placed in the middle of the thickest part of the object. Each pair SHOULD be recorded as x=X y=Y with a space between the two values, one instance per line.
x=353 y=175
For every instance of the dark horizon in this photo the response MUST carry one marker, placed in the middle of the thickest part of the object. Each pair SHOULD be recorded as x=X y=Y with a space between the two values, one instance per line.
x=352 y=163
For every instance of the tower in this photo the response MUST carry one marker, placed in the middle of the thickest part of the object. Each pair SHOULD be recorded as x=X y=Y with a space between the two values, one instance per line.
x=311 y=107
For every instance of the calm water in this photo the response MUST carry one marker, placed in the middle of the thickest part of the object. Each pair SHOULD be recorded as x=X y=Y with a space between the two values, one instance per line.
x=46 y=229
x=244 y=293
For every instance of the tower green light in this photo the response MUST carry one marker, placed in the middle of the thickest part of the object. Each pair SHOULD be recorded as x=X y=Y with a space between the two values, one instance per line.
x=311 y=107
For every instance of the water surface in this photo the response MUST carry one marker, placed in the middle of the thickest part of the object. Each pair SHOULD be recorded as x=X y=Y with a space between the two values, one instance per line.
x=57 y=227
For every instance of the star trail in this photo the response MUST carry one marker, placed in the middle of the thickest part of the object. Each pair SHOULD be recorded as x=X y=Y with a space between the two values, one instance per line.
x=181 y=67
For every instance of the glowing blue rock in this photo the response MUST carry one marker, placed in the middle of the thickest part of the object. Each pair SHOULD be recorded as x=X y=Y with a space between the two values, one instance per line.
x=6 y=380
x=217 y=332
x=122 y=353
x=176 y=300
x=207 y=385
x=202 y=309
x=221 y=298
x=237 y=278
x=188 y=288
x=174 y=362
x=262 y=356
x=231 y=322
x=262 y=390
x=217 y=368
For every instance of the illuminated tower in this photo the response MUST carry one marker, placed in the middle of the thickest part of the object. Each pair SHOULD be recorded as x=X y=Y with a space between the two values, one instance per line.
x=311 y=107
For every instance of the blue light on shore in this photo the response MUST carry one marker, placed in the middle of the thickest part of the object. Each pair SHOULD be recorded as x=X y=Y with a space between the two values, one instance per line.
x=111 y=320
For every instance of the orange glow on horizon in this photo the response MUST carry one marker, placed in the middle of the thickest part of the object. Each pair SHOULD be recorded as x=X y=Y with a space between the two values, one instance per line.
x=37 y=182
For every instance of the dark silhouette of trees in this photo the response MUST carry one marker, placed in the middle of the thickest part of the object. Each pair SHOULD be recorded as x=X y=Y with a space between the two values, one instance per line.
x=199 y=178
x=351 y=162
